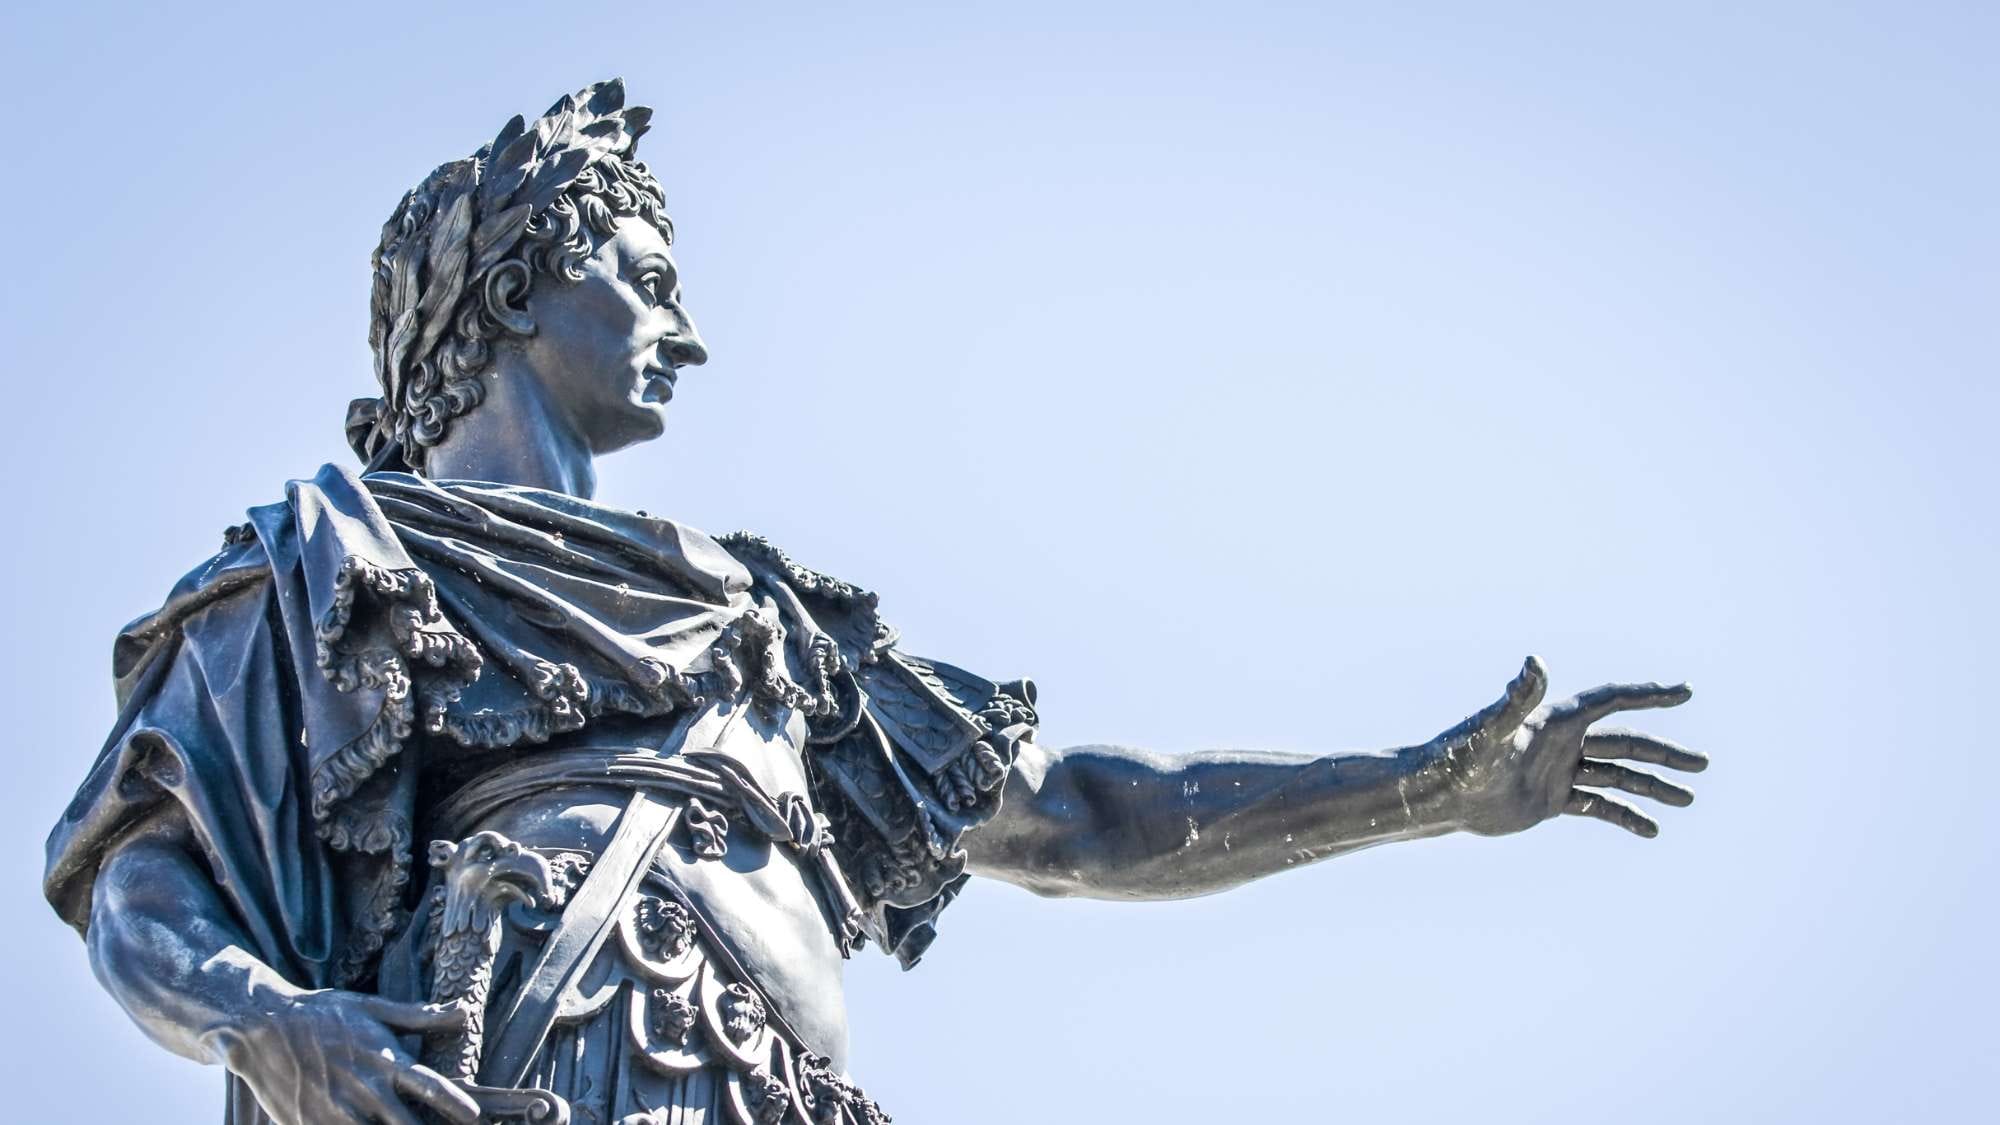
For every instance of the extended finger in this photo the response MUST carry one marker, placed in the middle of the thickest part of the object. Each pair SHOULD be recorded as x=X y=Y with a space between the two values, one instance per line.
x=1604 y=775
x=1636 y=747
x=344 y=1112
x=1598 y=702
x=443 y=1096
x=410 y=1016
x=380 y=1105
x=1584 y=803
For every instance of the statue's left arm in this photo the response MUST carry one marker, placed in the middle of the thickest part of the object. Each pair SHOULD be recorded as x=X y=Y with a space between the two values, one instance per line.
x=1116 y=823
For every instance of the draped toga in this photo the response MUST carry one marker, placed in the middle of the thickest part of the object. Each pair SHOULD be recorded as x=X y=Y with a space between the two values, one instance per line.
x=298 y=697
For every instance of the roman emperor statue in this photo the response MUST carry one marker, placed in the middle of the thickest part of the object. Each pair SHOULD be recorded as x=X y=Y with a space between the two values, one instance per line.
x=442 y=792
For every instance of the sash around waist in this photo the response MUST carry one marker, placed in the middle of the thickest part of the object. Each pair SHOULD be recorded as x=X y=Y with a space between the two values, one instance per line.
x=704 y=777
x=710 y=776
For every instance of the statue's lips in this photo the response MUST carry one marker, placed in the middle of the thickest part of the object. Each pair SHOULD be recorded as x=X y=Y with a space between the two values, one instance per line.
x=659 y=385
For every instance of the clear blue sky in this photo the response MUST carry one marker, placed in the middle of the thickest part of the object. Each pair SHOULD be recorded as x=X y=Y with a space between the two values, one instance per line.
x=1268 y=376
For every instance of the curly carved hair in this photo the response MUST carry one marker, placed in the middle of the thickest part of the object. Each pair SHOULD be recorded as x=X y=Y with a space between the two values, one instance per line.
x=554 y=243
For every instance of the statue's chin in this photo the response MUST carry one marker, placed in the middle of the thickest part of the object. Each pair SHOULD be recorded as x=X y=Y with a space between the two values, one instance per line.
x=643 y=422
x=655 y=421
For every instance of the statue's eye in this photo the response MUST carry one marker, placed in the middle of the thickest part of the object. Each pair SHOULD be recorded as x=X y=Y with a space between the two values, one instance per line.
x=655 y=285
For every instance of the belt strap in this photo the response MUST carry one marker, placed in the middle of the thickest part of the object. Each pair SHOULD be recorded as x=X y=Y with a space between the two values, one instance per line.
x=587 y=919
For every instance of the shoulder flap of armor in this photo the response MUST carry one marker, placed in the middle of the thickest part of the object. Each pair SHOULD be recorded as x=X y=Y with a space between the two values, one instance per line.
x=930 y=709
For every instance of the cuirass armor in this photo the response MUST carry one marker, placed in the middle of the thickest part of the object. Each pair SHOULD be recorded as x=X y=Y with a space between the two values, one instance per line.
x=664 y=1020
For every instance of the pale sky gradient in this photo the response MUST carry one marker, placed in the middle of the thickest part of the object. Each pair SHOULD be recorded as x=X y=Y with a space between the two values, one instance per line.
x=1269 y=376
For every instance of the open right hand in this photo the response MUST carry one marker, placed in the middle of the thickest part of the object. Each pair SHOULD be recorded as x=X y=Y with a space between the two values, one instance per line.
x=1515 y=765
x=330 y=1057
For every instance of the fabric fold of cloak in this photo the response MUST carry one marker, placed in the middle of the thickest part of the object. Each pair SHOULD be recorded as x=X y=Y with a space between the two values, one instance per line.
x=286 y=695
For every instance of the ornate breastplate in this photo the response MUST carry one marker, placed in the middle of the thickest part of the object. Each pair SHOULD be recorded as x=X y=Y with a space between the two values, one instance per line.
x=591 y=973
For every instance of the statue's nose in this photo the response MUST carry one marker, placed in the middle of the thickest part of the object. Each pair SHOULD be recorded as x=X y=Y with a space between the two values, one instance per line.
x=687 y=350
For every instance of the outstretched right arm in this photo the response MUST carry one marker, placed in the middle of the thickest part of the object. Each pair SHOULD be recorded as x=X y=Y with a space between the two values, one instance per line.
x=168 y=951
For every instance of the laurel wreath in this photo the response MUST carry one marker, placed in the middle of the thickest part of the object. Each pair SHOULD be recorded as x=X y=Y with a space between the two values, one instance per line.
x=463 y=220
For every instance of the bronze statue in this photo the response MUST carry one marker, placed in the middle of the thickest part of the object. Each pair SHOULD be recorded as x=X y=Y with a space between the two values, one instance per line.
x=665 y=782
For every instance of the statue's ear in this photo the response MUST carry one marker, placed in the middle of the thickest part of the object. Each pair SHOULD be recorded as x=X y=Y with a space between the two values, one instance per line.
x=505 y=293
x=442 y=851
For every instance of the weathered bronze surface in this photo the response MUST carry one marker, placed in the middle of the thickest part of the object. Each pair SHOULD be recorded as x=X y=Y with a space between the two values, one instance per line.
x=664 y=782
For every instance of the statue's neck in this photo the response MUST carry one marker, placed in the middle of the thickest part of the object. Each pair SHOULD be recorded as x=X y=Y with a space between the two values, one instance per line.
x=514 y=436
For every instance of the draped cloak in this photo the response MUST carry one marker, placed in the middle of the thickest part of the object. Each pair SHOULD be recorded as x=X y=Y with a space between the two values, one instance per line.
x=296 y=694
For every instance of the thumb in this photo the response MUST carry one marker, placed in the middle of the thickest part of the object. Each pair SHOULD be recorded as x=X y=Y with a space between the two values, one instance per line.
x=406 y=1015
x=1501 y=716
x=1524 y=694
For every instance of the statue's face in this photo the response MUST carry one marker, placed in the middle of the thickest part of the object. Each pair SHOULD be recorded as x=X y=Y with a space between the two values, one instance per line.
x=607 y=349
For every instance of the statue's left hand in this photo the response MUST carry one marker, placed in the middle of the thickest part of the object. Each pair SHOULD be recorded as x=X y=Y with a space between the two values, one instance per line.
x=1516 y=764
